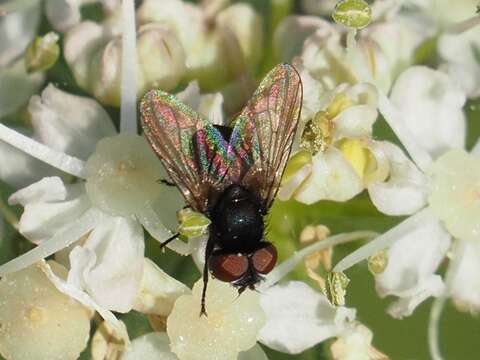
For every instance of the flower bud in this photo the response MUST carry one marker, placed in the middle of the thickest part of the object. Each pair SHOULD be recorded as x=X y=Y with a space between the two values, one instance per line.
x=242 y=20
x=42 y=53
x=161 y=58
x=95 y=58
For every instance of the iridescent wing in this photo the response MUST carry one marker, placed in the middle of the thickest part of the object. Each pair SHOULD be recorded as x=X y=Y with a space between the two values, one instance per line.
x=264 y=131
x=194 y=153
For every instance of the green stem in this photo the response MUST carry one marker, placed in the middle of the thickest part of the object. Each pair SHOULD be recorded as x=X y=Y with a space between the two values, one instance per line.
x=288 y=265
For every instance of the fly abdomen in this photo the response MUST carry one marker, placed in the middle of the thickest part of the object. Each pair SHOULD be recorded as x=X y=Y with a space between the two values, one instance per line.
x=237 y=222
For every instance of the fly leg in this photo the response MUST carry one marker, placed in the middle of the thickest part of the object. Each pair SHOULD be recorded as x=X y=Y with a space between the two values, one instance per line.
x=170 y=239
x=208 y=252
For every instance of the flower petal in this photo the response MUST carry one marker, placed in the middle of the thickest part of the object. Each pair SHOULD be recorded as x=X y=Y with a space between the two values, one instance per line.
x=383 y=241
x=209 y=105
x=476 y=148
x=465 y=69
x=355 y=122
x=232 y=324
x=69 y=123
x=158 y=291
x=80 y=44
x=332 y=178
x=109 y=265
x=38 y=321
x=405 y=191
x=412 y=261
x=255 y=353
x=20 y=169
x=465 y=288
x=85 y=299
x=17 y=29
x=287 y=189
x=291 y=33
x=25 y=85
x=151 y=346
x=63 y=238
x=432 y=108
x=63 y=14
x=324 y=56
x=49 y=207
x=315 y=96
x=299 y=317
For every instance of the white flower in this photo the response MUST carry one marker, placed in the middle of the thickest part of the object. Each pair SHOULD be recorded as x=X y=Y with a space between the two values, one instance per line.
x=38 y=321
x=267 y=316
x=443 y=198
x=157 y=346
x=106 y=265
x=431 y=105
x=55 y=125
x=99 y=219
x=456 y=31
x=120 y=193
x=337 y=157
x=94 y=53
x=384 y=49
x=464 y=69
x=232 y=324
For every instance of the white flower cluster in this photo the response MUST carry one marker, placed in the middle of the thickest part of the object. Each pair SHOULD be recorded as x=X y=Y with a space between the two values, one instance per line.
x=91 y=191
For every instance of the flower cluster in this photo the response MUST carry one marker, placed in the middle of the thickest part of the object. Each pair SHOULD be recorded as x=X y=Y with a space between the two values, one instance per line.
x=387 y=131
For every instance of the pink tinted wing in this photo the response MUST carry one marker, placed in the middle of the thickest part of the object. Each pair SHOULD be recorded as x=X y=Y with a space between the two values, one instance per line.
x=193 y=152
x=217 y=162
x=263 y=133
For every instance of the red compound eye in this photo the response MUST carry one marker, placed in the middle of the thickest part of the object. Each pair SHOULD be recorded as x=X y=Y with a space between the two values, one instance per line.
x=228 y=267
x=264 y=259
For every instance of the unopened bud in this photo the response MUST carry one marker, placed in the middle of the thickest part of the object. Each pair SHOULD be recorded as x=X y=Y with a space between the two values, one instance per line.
x=42 y=53
x=161 y=58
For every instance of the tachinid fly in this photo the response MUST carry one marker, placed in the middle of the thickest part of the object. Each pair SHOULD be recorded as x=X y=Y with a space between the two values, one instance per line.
x=230 y=174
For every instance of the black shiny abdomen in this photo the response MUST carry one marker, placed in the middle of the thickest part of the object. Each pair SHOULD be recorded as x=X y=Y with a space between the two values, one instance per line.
x=237 y=221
